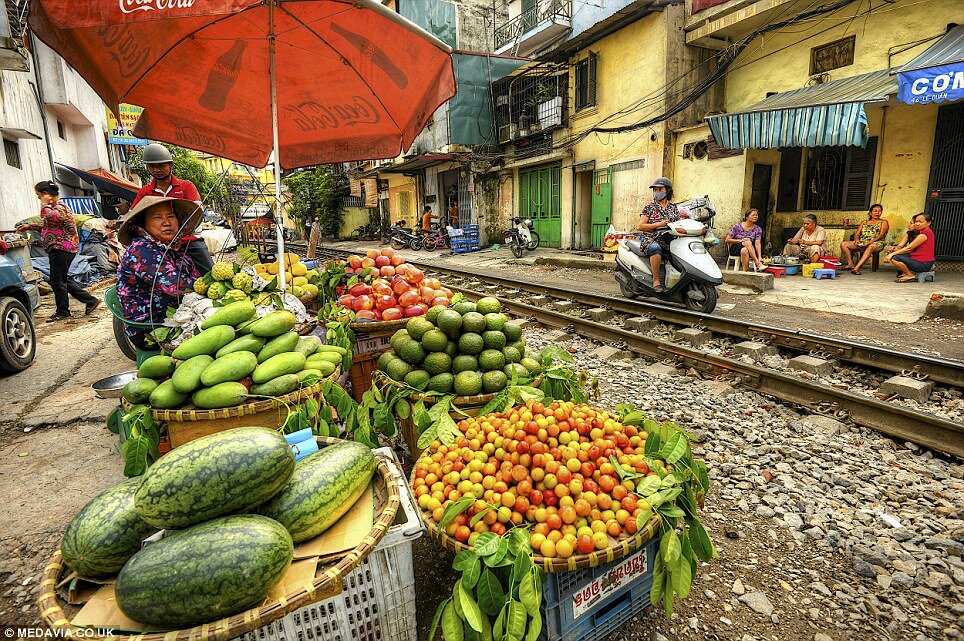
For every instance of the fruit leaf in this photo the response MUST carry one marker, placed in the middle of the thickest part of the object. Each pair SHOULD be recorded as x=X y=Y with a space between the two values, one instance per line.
x=530 y=595
x=701 y=542
x=515 y=620
x=518 y=541
x=521 y=567
x=479 y=516
x=451 y=624
x=471 y=574
x=464 y=559
x=134 y=451
x=486 y=544
x=671 y=511
x=454 y=509
x=535 y=629
x=674 y=448
x=114 y=419
x=670 y=547
x=491 y=594
x=470 y=609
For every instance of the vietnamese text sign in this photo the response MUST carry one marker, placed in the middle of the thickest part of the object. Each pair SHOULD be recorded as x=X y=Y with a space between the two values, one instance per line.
x=601 y=588
x=120 y=129
x=934 y=84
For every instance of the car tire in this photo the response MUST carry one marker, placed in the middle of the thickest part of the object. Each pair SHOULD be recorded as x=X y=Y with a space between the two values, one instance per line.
x=123 y=341
x=18 y=341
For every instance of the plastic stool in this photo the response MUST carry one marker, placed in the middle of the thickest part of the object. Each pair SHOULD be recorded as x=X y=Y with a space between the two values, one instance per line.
x=828 y=273
x=778 y=272
x=923 y=276
x=736 y=263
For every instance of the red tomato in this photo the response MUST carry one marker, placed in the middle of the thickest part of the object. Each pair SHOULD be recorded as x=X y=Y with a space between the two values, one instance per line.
x=347 y=300
x=415 y=310
x=441 y=301
x=384 y=302
x=372 y=253
x=392 y=313
x=407 y=298
x=363 y=302
x=366 y=313
x=354 y=261
x=387 y=271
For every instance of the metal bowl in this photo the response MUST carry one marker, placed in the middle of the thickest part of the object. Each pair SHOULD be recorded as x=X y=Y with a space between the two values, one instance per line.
x=776 y=260
x=113 y=386
x=791 y=260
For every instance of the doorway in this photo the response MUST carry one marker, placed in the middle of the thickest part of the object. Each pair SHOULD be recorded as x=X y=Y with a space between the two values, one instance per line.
x=539 y=200
x=602 y=205
x=583 y=235
x=760 y=192
x=946 y=189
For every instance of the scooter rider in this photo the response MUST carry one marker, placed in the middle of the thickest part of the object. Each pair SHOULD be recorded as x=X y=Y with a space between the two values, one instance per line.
x=657 y=215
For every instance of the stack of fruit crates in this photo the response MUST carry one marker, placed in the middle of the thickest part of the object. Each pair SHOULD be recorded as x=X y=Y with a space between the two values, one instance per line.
x=465 y=239
x=377 y=602
x=592 y=603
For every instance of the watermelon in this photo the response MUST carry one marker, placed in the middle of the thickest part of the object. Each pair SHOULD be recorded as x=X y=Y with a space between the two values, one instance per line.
x=231 y=471
x=105 y=533
x=207 y=572
x=322 y=488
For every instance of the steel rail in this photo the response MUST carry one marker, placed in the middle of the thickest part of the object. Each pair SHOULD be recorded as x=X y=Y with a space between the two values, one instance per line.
x=941 y=370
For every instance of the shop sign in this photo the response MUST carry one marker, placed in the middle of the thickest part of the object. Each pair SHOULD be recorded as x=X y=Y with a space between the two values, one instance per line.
x=934 y=84
x=601 y=588
x=120 y=129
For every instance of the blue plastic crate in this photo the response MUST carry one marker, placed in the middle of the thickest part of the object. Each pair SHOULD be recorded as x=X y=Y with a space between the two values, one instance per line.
x=591 y=603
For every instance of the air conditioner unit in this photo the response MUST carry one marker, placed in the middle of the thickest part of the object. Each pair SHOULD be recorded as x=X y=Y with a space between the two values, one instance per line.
x=507 y=133
x=501 y=101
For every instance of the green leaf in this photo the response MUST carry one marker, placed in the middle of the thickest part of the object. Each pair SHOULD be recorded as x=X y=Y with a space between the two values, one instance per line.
x=652 y=444
x=422 y=418
x=470 y=609
x=535 y=628
x=437 y=618
x=454 y=509
x=471 y=574
x=491 y=594
x=521 y=567
x=451 y=624
x=497 y=404
x=518 y=541
x=515 y=620
x=497 y=558
x=114 y=419
x=671 y=511
x=464 y=559
x=668 y=598
x=448 y=430
x=659 y=580
x=479 y=516
x=553 y=353
x=643 y=518
x=674 y=448
x=499 y=627
x=134 y=452
x=650 y=484
x=670 y=547
x=702 y=544
x=530 y=594
x=486 y=544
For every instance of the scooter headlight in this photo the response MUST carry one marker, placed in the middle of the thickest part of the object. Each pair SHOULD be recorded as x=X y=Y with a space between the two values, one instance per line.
x=528 y=222
x=697 y=247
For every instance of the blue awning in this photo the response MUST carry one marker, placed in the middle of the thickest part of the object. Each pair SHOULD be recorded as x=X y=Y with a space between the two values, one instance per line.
x=935 y=75
x=102 y=184
x=831 y=114
x=81 y=205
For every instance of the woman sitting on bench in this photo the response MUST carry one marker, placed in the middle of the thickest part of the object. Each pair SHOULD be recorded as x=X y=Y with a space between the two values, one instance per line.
x=868 y=239
x=915 y=253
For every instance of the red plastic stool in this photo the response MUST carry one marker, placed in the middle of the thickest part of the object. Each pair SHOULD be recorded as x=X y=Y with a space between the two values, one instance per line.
x=778 y=272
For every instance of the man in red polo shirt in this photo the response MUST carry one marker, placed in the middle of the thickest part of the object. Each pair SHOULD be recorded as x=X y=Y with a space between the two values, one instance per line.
x=160 y=165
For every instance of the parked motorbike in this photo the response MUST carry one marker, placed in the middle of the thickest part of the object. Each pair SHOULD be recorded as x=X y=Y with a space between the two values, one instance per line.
x=521 y=236
x=689 y=272
x=401 y=237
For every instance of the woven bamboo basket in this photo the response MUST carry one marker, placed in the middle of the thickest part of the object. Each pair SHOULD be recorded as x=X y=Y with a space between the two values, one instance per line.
x=373 y=327
x=618 y=548
x=327 y=577
x=185 y=425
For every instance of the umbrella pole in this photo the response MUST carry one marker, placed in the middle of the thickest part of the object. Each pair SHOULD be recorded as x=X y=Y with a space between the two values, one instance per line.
x=277 y=147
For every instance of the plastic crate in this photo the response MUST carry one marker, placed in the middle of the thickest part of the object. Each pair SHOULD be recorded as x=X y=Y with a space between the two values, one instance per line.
x=590 y=604
x=377 y=602
x=363 y=366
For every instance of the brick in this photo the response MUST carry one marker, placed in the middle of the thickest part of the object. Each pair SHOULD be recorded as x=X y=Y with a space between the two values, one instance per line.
x=909 y=388
x=564 y=305
x=600 y=314
x=557 y=336
x=660 y=369
x=693 y=336
x=609 y=353
x=813 y=365
x=640 y=323
x=754 y=349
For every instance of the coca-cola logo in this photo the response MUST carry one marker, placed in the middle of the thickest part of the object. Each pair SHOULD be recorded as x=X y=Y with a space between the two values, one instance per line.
x=314 y=116
x=131 y=6
x=124 y=47
x=194 y=138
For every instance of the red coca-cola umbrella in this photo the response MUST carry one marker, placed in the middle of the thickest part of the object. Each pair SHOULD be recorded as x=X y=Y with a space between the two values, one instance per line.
x=310 y=81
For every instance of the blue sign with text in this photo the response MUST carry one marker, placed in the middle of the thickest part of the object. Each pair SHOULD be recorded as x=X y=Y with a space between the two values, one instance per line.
x=934 y=84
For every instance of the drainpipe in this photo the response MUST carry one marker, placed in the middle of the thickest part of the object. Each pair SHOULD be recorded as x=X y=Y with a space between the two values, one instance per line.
x=880 y=151
x=39 y=95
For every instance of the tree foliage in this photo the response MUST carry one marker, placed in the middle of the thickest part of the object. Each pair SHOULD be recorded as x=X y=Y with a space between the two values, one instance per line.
x=215 y=191
x=316 y=194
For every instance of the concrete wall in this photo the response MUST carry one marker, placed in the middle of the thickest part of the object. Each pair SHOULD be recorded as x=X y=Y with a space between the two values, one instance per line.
x=353 y=219
x=403 y=200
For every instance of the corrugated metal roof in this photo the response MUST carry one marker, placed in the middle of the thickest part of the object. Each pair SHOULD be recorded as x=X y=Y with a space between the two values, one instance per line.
x=946 y=51
x=868 y=87
x=816 y=126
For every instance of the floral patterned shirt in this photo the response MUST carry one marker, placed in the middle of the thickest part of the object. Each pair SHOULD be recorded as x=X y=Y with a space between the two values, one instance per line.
x=150 y=278
x=656 y=214
x=739 y=232
x=59 y=231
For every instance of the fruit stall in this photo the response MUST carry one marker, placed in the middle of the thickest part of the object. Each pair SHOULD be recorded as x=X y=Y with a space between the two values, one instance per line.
x=268 y=495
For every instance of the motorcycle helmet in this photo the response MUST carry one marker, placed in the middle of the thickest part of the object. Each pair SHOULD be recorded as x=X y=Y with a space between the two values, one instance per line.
x=157 y=154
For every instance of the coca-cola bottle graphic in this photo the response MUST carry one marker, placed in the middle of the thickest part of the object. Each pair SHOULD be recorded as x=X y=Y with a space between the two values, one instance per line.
x=223 y=75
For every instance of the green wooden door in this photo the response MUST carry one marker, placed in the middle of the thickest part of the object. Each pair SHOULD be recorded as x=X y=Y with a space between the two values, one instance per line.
x=539 y=191
x=602 y=205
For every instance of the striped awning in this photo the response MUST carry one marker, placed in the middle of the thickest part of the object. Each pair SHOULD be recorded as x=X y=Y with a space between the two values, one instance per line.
x=935 y=75
x=948 y=50
x=81 y=205
x=831 y=114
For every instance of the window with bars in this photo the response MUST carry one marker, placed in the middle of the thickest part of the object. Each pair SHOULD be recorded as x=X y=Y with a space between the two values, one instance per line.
x=61 y=131
x=839 y=177
x=586 y=81
x=11 y=149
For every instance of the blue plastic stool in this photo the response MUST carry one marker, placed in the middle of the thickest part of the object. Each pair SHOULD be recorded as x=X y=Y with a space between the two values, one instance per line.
x=923 y=276
x=828 y=273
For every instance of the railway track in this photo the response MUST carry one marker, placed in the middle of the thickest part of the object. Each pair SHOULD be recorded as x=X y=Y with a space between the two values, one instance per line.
x=898 y=421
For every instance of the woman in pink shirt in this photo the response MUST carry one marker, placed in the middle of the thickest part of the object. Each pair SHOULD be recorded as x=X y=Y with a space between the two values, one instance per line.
x=915 y=253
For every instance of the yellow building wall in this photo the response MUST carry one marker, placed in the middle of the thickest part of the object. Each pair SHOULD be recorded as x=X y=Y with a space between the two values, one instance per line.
x=354 y=218
x=402 y=199
x=630 y=65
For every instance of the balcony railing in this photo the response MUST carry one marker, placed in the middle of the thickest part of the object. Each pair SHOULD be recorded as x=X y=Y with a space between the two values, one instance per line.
x=543 y=11
x=531 y=102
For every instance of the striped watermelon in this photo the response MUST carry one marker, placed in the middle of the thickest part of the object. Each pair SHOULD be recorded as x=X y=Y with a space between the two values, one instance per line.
x=322 y=488
x=105 y=533
x=231 y=471
x=204 y=573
